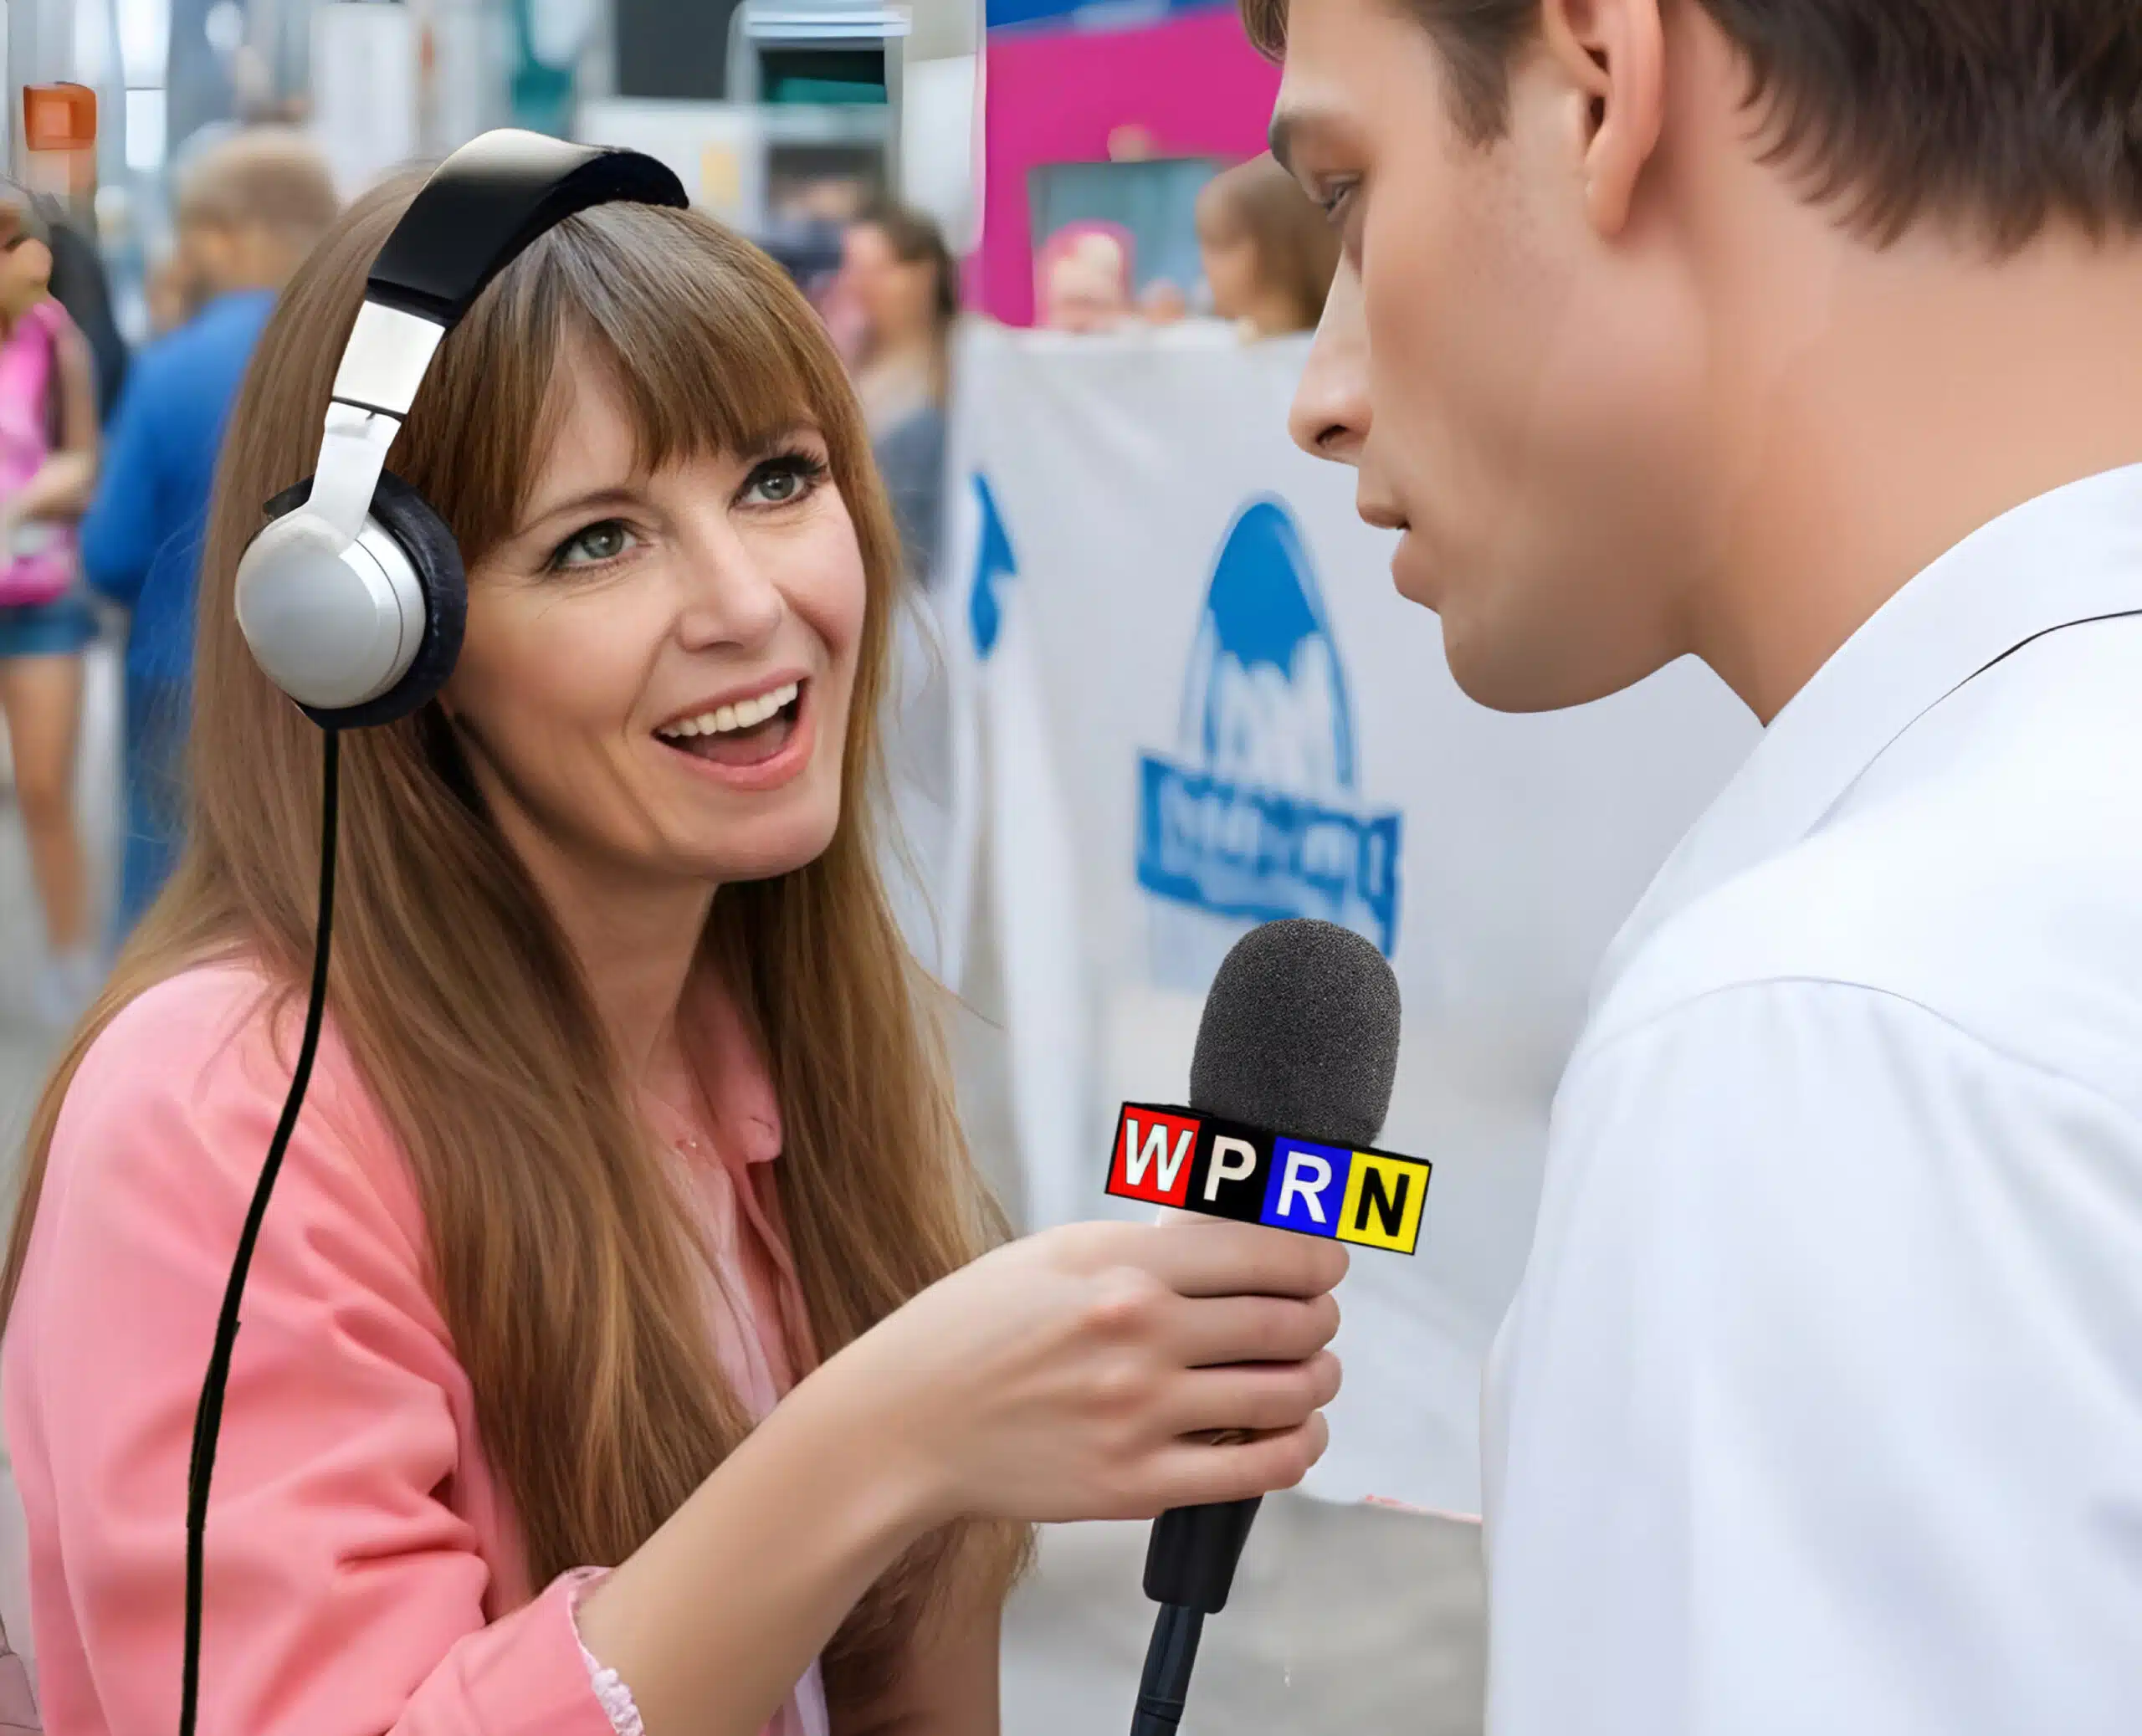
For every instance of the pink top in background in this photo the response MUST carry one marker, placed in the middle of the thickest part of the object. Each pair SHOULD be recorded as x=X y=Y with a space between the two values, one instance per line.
x=364 y=1572
x=39 y=567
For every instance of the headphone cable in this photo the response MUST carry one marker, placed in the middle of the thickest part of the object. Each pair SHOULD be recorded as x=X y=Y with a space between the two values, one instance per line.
x=209 y=1418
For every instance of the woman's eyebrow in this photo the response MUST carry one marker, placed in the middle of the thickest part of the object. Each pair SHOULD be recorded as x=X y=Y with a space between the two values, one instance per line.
x=610 y=495
x=771 y=440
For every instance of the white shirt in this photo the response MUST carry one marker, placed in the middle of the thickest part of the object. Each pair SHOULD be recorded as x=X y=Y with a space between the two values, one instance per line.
x=1819 y=1410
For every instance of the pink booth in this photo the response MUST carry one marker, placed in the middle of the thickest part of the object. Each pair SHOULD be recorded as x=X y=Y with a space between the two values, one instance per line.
x=1066 y=84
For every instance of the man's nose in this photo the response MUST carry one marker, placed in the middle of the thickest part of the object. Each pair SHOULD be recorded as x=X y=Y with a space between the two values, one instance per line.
x=1331 y=414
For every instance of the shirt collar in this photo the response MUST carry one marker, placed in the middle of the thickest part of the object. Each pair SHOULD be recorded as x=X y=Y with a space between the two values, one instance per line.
x=2071 y=556
x=734 y=1091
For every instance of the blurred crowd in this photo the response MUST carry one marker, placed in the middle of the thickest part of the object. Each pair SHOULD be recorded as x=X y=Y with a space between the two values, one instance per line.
x=107 y=457
x=106 y=460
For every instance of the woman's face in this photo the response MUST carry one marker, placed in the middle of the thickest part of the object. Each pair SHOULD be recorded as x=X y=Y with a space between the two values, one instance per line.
x=894 y=294
x=658 y=670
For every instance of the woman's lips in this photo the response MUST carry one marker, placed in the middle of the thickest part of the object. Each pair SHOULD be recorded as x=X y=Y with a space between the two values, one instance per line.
x=759 y=755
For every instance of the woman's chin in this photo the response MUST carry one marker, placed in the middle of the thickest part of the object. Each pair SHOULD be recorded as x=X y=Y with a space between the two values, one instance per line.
x=767 y=846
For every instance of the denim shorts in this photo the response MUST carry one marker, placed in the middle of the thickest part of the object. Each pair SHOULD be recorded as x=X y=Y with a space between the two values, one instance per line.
x=62 y=627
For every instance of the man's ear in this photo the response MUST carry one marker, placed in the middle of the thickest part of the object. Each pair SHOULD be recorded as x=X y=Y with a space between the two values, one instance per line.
x=1613 y=52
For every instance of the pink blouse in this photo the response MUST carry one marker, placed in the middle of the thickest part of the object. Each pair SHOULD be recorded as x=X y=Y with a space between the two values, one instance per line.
x=364 y=1572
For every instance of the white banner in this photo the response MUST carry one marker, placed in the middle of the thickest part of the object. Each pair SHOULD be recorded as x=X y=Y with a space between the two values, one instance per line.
x=1202 y=705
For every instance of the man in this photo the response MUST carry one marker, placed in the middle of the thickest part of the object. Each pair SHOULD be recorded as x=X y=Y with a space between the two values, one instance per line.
x=1804 y=336
x=249 y=209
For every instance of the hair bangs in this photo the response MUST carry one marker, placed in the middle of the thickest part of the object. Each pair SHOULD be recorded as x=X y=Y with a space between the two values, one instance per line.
x=711 y=349
x=703 y=364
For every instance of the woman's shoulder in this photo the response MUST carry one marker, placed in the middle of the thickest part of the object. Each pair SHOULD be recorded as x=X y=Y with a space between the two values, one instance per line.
x=206 y=1024
x=190 y=1076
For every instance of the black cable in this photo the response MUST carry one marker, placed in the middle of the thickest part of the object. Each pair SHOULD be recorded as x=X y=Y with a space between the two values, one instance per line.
x=209 y=1418
x=1164 y=1685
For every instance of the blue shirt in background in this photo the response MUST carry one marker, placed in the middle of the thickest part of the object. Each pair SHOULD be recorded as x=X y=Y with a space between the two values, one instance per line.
x=142 y=537
x=142 y=547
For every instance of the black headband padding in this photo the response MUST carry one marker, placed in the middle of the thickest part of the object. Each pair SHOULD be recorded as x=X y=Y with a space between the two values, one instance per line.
x=490 y=200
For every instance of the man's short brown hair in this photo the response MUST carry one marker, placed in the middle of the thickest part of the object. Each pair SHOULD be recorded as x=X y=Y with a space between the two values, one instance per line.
x=268 y=177
x=2006 y=114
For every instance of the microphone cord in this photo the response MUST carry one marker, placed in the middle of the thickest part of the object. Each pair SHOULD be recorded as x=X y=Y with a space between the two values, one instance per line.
x=1164 y=1685
x=209 y=1418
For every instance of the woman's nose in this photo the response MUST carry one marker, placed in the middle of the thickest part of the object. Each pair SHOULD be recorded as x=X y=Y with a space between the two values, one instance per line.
x=1330 y=415
x=731 y=595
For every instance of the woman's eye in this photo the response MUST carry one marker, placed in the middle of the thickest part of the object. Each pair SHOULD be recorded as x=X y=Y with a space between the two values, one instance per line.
x=593 y=545
x=785 y=480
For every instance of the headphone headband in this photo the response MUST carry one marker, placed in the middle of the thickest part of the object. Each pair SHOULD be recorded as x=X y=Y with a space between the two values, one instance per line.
x=481 y=209
x=488 y=202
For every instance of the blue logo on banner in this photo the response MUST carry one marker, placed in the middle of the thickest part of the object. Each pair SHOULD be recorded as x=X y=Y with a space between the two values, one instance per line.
x=1257 y=816
x=993 y=562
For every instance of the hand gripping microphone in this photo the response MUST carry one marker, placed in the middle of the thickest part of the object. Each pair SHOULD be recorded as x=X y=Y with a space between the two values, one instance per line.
x=1300 y=1032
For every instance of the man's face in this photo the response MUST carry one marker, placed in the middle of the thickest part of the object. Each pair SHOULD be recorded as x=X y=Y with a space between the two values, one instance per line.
x=1520 y=390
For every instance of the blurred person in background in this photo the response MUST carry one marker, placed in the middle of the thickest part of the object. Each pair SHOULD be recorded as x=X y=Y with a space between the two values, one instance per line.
x=81 y=286
x=250 y=207
x=900 y=278
x=1268 y=253
x=170 y=296
x=1085 y=272
x=47 y=467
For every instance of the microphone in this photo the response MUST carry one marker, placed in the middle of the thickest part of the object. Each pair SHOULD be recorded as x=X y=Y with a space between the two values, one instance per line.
x=1300 y=1032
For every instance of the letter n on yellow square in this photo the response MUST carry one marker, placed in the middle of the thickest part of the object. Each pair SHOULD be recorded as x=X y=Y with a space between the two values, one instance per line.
x=1384 y=1197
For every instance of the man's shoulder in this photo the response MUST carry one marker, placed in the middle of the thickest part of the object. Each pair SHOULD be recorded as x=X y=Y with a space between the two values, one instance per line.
x=218 y=339
x=1989 y=870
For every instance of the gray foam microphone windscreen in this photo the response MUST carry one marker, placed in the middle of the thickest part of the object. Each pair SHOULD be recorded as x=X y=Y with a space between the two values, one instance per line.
x=1300 y=1034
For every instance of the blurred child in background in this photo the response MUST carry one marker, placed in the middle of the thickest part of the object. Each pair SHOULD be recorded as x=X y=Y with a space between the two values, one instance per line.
x=47 y=467
x=250 y=207
x=1269 y=255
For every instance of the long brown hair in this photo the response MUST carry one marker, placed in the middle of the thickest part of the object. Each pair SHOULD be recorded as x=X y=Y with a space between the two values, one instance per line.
x=553 y=1250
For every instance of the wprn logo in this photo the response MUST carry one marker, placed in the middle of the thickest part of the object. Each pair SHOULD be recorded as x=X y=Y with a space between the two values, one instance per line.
x=1167 y=1156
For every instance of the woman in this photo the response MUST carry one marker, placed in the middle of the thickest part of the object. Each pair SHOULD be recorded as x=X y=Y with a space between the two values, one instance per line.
x=48 y=469
x=627 y=1227
x=904 y=283
x=1269 y=256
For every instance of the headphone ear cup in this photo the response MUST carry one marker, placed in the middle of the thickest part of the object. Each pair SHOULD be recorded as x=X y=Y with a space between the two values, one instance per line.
x=434 y=558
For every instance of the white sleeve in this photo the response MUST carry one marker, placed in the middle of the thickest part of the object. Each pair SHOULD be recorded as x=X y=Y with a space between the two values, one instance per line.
x=1820 y=1408
x=610 y=1689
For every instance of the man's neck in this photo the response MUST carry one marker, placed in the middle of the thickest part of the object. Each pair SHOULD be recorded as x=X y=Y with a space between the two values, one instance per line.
x=1895 y=402
x=241 y=286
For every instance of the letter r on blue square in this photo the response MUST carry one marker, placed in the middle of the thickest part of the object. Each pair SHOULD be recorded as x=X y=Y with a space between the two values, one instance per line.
x=1308 y=1186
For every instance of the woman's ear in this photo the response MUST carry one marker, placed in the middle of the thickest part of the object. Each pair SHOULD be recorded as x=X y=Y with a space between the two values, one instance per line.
x=1613 y=52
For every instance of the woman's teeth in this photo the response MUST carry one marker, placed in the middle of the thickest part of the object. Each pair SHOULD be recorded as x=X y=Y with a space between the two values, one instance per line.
x=743 y=714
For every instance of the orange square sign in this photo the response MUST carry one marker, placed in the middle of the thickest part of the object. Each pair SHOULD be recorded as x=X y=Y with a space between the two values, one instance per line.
x=59 y=117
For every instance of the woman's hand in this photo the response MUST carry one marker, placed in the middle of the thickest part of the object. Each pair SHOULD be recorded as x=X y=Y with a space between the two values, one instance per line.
x=1079 y=1374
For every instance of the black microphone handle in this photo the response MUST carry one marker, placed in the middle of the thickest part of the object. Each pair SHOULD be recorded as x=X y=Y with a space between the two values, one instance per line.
x=1164 y=1688
x=1191 y=1560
